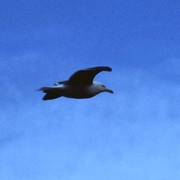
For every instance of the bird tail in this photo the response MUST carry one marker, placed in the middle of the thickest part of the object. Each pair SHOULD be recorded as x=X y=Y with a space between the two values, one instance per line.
x=50 y=96
x=51 y=93
x=45 y=89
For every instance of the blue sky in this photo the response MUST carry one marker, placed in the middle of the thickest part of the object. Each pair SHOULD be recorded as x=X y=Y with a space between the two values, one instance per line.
x=133 y=134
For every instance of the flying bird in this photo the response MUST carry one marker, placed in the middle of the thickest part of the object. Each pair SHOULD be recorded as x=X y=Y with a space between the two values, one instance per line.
x=80 y=85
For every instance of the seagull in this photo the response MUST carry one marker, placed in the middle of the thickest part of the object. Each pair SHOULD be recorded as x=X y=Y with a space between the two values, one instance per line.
x=80 y=85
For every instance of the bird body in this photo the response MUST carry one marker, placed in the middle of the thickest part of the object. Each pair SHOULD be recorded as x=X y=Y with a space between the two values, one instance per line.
x=80 y=85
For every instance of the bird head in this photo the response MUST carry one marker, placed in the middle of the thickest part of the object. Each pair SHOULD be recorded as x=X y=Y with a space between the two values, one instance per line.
x=102 y=88
x=105 y=89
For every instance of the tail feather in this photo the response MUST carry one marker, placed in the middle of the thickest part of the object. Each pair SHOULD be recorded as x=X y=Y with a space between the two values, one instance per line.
x=46 y=89
x=50 y=96
x=51 y=92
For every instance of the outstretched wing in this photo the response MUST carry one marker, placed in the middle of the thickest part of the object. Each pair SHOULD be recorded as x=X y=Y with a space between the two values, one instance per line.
x=85 y=77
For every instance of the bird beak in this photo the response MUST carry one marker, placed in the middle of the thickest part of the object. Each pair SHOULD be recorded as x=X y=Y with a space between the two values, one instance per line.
x=109 y=90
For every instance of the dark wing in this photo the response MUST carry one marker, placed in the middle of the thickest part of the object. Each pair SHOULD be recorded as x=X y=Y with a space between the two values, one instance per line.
x=85 y=77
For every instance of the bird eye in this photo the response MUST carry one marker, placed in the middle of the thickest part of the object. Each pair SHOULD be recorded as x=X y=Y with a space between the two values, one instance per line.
x=103 y=85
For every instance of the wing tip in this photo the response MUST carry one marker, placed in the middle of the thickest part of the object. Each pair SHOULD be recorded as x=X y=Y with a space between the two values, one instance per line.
x=108 y=68
x=102 y=68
